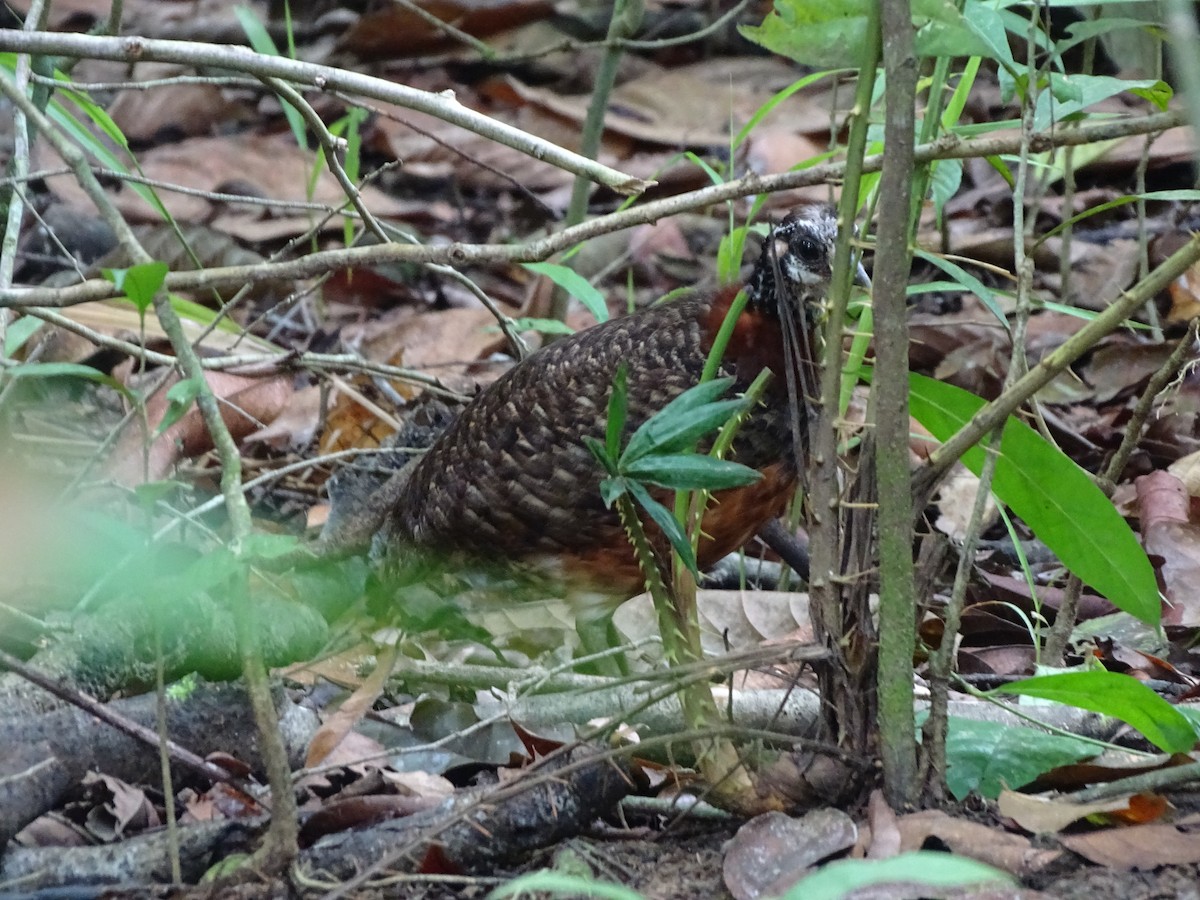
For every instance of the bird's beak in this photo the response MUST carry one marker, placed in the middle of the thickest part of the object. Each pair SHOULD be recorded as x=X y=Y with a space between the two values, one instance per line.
x=861 y=277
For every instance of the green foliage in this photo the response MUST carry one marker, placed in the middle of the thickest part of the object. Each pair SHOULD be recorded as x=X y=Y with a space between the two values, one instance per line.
x=67 y=121
x=139 y=283
x=180 y=397
x=558 y=884
x=1116 y=695
x=825 y=34
x=18 y=332
x=988 y=757
x=921 y=867
x=1054 y=496
x=575 y=285
x=656 y=453
x=262 y=42
x=65 y=370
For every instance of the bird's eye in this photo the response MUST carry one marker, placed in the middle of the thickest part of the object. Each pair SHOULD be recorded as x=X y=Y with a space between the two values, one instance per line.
x=808 y=250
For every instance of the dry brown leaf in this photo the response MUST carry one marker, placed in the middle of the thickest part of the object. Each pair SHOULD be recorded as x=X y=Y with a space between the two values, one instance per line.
x=773 y=851
x=1168 y=535
x=990 y=845
x=264 y=167
x=1050 y=815
x=246 y=405
x=1139 y=847
x=335 y=729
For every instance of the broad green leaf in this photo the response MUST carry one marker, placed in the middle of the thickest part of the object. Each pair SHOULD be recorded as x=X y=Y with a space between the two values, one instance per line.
x=824 y=35
x=987 y=757
x=691 y=471
x=139 y=283
x=919 y=868
x=262 y=545
x=180 y=397
x=19 y=332
x=683 y=421
x=575 y=285
x=667 y=522
x=1115 y=695
x=1056 y=498
x=1087 y=90
x=987 y=25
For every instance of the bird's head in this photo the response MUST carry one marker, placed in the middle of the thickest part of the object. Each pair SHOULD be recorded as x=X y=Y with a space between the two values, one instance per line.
x=797 y=257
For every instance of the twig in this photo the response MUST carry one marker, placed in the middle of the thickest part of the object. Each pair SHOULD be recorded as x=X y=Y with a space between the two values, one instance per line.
x=242 y=59
x=459 y=254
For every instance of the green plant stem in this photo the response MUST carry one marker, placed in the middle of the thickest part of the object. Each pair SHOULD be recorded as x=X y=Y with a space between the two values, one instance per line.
x=897 y=593
x=941 y=663
x=626 y=19
x=848 y=709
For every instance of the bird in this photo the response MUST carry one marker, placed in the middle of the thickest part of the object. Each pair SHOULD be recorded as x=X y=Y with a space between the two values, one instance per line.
x=512 y=482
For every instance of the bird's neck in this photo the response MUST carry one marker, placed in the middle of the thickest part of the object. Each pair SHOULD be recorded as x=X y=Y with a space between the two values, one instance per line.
x=756 y=342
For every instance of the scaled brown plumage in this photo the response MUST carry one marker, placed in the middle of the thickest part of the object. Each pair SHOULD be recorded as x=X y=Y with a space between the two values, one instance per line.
x=511 y=479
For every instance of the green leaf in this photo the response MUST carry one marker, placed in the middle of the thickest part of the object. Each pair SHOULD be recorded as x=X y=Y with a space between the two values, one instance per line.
x=1088 y=90
x=1115 y=695
x=814 y=32
x=1056 y=498
x=19 y=332
x=825 y=35
x=618 y=412
x=180 y=397
x=612 y=488
x=575 y=285
x=968 y=282
x=262 y=42
x=667 y=522
x=945 y=180
x=139 y=283
x=988 y=27
x=988 y=757
x=691 y=471
x=261 y=545
x=65 y=370
x=543 y=326
x=598 y=451
x=921 y=867
x=683 y=421
x=559 y=884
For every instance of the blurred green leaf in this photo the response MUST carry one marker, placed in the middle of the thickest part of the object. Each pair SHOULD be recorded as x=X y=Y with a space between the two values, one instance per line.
x=180 y=397
x=918 y=868
x=19 y=332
